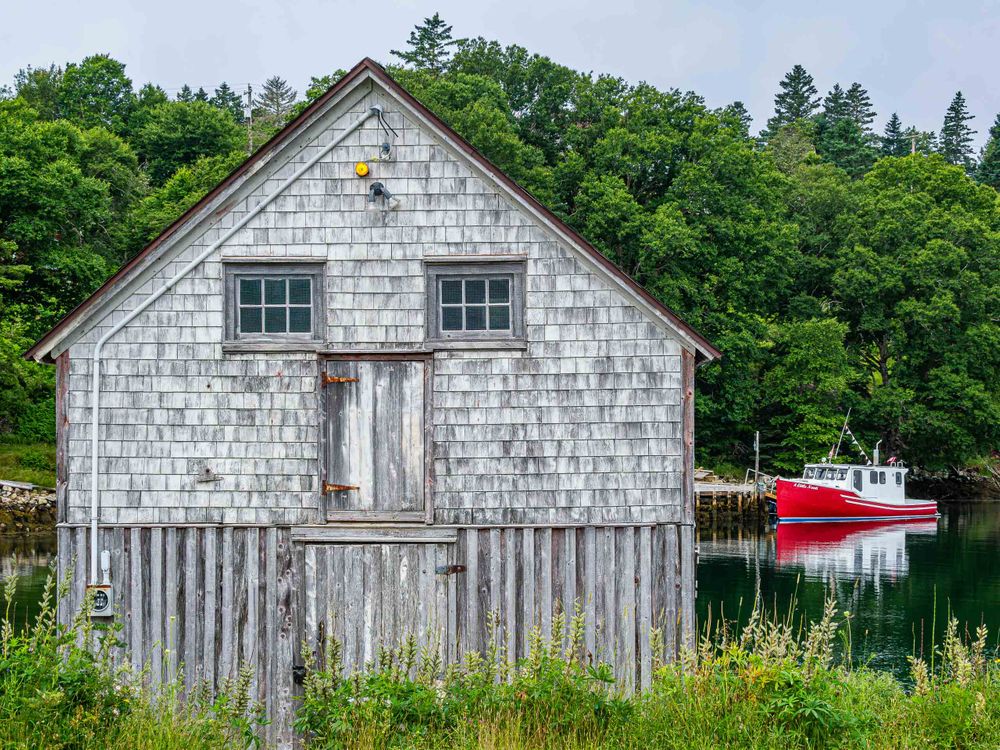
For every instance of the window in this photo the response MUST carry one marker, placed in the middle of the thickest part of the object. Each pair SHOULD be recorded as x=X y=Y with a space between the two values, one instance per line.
x=475 y=304
x=899 y=478
x=809 y=473
x=274 y=302
x=857 y=480
x=475 y=301
x=873 y=477
x=881 y=477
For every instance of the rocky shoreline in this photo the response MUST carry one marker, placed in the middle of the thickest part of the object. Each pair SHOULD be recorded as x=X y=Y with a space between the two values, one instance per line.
x=956 y=487
x=26 y=508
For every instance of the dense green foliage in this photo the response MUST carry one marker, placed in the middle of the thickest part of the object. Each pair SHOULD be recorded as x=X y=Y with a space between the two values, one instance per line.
x=833 y=268
x=774 y=684
x=60 y=689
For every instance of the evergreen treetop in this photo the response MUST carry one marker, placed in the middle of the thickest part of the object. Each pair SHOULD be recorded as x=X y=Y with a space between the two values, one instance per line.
x=227 y=99
x=798 y=99
x=185 y=94
x=429 y=45
x=894 y=140
x=835 y=104
x=859 y=106
x=988 y=171
x=276 y=98
x=956 y=135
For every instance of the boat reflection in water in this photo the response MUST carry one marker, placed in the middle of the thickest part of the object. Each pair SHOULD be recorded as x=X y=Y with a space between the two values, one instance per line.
x=871 y=550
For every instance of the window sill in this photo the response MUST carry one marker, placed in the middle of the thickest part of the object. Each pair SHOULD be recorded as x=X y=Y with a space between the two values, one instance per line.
x=271 y=346
x=434 y=344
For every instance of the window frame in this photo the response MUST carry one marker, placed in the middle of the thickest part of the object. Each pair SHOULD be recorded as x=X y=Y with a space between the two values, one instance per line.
x=438 y=270
x=313 y=270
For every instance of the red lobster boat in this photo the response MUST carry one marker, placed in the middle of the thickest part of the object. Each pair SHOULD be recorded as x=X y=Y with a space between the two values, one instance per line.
x=849 y=492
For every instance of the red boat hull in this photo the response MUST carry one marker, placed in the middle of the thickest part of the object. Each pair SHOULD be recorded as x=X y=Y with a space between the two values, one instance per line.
x=800 y=500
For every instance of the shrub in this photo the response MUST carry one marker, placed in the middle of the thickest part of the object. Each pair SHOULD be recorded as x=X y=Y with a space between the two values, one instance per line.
x=59 y=688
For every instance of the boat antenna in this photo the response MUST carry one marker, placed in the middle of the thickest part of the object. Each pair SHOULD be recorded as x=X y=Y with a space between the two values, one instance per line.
x=836 y=451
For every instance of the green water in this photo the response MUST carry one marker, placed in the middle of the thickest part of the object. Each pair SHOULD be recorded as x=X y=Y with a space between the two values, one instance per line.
x=899 y=580
x=30 y=556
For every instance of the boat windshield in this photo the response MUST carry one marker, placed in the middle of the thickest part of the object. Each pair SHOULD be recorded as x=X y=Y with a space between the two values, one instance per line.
x=831 y=474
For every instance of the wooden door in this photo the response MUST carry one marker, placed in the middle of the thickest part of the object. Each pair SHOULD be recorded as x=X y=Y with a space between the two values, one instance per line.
x=371 y=595
x=375 y=438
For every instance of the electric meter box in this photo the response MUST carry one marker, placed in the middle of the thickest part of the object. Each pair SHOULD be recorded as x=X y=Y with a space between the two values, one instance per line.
x=103 y=600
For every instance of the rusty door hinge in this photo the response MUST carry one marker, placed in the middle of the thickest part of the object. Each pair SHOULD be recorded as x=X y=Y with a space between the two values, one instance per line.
x=327 y=379
x=327 y=487
x=447 y=570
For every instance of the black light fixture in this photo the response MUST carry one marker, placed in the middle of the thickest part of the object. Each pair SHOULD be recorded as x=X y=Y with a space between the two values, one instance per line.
x=377 y=189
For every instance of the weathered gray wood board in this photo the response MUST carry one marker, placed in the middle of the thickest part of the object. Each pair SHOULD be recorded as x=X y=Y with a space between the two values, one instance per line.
x=205 y=600
x=625 y=580
x=199 y=602
x=375 y=435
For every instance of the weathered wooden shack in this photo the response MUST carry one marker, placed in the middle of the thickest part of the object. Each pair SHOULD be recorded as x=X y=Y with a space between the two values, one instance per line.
x=369 y=386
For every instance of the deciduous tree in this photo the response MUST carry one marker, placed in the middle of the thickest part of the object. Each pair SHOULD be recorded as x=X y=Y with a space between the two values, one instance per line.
x=180 y=133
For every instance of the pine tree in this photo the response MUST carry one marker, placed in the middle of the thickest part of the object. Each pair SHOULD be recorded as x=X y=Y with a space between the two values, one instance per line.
x=840 y=137
x=859 y=107
x=185 y=94
x=835 y=105
x=797 y=99
x=956 y=135
x=276 y=99
x=894 y=141
x=227 y=99
x=429 y=45
x=201 y=95
x=988 y=172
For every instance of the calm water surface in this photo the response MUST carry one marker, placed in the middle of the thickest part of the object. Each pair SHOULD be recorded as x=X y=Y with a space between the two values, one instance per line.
x=893 y=577
x=30 y=557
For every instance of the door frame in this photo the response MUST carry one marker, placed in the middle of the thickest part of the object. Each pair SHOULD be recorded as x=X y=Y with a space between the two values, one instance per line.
x=425 y=516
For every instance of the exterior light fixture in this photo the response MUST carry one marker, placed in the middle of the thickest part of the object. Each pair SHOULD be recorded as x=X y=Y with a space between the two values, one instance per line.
x=361 y=169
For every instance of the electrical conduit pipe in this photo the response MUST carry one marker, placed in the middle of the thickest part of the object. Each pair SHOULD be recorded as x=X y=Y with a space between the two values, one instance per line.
x=95 y=398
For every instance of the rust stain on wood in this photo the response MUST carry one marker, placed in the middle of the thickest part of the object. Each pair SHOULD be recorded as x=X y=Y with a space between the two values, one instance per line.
x=328 y=379
x=327 y=487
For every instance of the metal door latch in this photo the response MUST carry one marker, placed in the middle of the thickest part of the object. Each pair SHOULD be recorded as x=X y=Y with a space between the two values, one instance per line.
x=327 y=379
x=327 y=487
x=447 y=570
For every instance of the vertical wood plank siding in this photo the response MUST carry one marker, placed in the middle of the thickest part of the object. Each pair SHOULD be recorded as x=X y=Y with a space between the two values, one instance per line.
x=632 y=585
x=202 y=601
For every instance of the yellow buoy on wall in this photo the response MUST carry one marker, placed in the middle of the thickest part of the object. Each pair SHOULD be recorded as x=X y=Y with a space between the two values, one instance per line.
x=361 y=169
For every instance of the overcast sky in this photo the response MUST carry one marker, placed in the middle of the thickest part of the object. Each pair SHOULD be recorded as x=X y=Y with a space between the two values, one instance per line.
x=911 y=56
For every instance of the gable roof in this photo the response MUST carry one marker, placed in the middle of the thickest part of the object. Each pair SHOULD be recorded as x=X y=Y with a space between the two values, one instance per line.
x=42 y=348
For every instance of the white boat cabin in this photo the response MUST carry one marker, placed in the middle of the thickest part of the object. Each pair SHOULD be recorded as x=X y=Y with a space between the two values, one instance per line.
x=886 y=482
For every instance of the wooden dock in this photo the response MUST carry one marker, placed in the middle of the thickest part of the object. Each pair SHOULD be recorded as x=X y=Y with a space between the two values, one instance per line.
x=718 y=500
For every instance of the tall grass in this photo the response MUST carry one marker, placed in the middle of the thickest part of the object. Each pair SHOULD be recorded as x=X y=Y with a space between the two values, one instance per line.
x=60 y=688
x=777 y=682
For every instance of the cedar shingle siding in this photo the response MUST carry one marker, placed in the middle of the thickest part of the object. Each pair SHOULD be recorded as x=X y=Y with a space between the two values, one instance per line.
x=582 y=425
